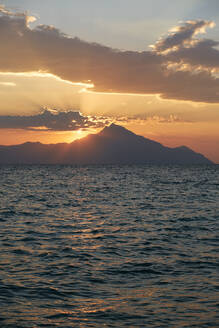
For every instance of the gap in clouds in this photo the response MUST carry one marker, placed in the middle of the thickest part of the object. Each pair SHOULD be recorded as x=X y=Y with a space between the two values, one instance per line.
x=33 y=90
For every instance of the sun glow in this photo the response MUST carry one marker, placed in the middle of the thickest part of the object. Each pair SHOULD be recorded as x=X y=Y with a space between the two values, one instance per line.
x=80 y=133
x=86 y=85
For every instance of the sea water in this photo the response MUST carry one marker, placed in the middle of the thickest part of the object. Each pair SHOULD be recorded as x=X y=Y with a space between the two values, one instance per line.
x=109 y=246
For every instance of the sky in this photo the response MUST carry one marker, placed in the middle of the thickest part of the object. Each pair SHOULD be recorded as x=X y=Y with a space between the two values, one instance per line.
x=68 y=68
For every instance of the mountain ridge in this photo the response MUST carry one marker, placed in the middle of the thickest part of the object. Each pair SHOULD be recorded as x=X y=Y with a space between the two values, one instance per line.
x=114 y=144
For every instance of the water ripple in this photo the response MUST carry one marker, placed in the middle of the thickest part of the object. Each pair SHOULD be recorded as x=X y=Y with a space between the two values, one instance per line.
x=109 y=246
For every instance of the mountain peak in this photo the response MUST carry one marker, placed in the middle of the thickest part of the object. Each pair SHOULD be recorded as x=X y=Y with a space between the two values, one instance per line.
x=114 y=130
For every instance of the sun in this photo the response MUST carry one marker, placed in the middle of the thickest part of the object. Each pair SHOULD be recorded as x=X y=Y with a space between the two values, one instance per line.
x=79 y=132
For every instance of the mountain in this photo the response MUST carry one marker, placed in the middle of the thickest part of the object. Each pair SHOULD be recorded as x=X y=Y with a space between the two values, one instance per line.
x=113 y=145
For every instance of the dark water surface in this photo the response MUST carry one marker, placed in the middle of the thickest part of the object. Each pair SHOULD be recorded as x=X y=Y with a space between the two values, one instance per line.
x=109 y=246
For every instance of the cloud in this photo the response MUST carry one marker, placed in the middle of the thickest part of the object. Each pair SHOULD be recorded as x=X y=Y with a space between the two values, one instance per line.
x=47 y=49
x=25 y=16
x=181 y=47
x=182 y=35
x=172 y=118
x=8 y=84
x=52 y=120
x=200 y=55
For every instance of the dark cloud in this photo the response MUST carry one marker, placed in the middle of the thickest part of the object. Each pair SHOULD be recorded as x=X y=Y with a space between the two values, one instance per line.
x=202 y=54
x=181 y=35
x=45 y=48
x=52 y=120
x=182 y=47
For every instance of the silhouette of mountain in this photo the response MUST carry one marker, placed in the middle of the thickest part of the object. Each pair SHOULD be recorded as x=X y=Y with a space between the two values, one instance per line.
x=113 y=145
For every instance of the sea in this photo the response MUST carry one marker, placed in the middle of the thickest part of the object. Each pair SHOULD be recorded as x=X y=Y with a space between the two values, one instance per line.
x=109 y=246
